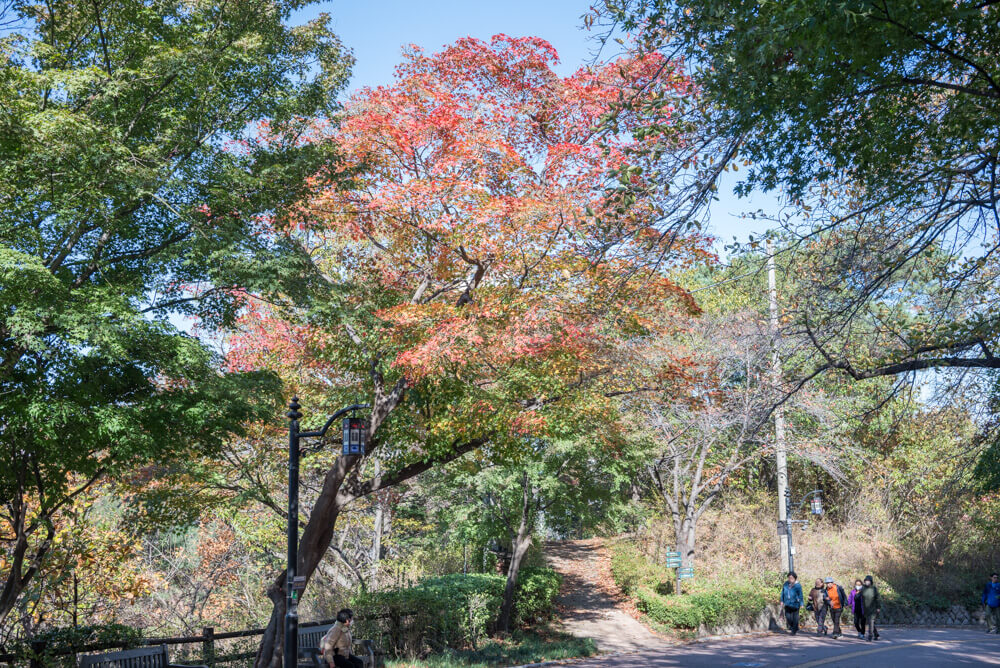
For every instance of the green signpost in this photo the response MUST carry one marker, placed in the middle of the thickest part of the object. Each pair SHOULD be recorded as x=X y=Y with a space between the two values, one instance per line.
x=682 y=572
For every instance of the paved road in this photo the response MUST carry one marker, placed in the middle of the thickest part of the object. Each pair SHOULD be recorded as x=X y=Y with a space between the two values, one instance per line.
x=903 y=648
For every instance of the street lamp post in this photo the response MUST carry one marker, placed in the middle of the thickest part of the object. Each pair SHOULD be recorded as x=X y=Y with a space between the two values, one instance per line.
x=815 y=507
x=355 y=435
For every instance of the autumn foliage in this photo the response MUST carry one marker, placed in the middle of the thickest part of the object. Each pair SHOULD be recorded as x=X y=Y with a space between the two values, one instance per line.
x=484 y=242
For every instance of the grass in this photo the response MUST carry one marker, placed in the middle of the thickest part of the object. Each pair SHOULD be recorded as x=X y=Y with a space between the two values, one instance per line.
x=516 y=650
x=738 y=547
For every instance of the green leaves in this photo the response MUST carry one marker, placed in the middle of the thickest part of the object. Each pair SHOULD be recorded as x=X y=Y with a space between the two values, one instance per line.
x=143 y=147
x=878 y=121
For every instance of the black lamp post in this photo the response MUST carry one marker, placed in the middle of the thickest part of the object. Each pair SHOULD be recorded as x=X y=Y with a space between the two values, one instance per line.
x=355 y=437
x=815 y=507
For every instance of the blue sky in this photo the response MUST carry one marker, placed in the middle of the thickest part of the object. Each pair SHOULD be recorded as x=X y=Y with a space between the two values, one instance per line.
x=377 y=30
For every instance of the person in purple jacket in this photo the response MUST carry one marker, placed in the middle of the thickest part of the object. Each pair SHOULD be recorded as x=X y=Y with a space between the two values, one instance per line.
x=857 y=607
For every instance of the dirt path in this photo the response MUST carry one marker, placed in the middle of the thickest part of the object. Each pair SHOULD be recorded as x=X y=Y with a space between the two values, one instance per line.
x=588 y=602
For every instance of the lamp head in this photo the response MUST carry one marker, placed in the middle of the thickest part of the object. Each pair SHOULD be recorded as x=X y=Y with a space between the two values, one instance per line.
x=816 y=505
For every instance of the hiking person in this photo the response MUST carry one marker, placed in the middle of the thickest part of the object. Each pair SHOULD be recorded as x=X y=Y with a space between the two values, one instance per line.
x=791 y=600
x=336 y=645
x=836 y=600
x=873 y=605
x=991 y=599
x=817 y=601
x=857 y=607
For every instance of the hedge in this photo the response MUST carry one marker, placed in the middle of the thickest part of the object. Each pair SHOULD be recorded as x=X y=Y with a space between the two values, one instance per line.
x=450 y=611
x=632 y=570
x=711 y=608
x=63 y=639
x=651 y=587
x=674 y=611
x=537 y=589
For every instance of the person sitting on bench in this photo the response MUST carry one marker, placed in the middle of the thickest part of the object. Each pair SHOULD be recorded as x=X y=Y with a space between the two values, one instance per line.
x=337 y=643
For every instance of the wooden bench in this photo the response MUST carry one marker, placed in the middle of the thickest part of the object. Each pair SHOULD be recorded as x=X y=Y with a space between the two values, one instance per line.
x=145 y=657
x=310 y=654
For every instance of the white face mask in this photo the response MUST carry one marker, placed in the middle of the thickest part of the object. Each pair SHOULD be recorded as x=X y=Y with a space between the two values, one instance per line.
x=858 y=587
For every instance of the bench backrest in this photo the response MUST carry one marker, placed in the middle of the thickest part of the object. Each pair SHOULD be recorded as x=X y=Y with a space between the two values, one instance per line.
x=145 y=657
x=310 y=636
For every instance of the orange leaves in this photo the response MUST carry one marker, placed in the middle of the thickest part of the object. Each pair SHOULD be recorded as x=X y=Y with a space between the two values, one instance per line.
x=481 y=146
x=263 y=338
x=482 y=336
x=483 y=238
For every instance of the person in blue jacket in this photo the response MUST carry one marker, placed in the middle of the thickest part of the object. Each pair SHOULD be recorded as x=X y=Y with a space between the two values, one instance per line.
x=991 y=599
x=791 y=599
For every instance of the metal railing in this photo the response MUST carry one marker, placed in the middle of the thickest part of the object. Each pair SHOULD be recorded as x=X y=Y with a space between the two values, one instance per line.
x=208 y=655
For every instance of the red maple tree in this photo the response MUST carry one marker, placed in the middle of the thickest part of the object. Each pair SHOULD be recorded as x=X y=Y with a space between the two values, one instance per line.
x=485 y=267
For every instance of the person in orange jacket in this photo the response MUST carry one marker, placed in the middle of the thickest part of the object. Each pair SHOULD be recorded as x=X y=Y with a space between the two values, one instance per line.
x=836 y=601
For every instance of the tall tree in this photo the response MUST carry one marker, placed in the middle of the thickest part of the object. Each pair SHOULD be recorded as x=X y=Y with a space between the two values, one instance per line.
x=700 y=438
x=133 y=183
x=878 y=120
x=482 y=269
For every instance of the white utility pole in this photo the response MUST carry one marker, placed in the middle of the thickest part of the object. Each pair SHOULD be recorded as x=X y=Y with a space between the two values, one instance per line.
x=779 y=412
x=376 y=553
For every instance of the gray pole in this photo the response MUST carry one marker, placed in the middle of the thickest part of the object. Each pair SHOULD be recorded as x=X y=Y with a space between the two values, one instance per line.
x=788 y=530
x=780 y=456
x=291 y=602
x=377 y=539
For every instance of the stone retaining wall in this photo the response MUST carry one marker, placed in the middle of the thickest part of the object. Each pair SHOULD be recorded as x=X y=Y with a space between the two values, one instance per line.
x=772 y=618
x=956 y=615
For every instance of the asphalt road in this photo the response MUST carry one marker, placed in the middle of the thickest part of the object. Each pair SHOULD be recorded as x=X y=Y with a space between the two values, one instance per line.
x=902 y=647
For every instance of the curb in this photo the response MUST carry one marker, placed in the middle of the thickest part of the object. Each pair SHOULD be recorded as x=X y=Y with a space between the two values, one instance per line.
x=576 y=659
x=733 y=636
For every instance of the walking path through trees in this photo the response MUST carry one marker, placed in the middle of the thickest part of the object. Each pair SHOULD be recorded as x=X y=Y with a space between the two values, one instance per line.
x=590 y=607
x=588 y=603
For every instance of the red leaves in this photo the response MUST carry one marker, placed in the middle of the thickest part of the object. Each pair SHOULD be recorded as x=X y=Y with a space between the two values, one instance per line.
x=481 y=215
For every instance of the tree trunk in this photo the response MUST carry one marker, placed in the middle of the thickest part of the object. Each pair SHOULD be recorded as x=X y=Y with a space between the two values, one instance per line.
x=18 y=577
x=519 y=547
x=685 y=534
x=315 y=540
x=8 y=597
x=319 y=530
x=376 y=553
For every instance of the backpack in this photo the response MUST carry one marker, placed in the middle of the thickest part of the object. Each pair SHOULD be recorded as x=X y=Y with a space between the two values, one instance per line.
x=836 y=595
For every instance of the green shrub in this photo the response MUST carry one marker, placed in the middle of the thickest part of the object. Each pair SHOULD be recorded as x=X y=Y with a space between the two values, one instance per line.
x=450 y=611
x=709 y=603
x=710 y=608
x=730 y=603
x=537 y=589
x=440 y=612
x=631 y=570
x=625 y=568
x=110 y=636
x=674 y=611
